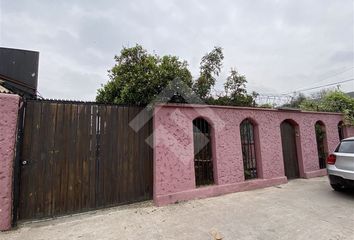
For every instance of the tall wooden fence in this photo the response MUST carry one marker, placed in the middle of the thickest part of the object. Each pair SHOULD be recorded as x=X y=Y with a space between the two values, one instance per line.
x=81 y=156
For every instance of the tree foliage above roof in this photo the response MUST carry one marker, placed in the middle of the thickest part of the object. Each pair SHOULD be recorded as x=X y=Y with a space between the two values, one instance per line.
x=139 y=77
x=210 y=67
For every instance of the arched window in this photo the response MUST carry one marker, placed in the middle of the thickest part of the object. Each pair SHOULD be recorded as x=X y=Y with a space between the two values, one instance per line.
x=321 y=143
x=248 y=149
x=203 y=164
x=341 y=130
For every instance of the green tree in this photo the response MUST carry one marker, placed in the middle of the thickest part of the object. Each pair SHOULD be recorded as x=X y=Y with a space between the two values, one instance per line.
x=210 y=67
x=235 y=91
x=138 y=77
x=235 y=84
x=332 y=101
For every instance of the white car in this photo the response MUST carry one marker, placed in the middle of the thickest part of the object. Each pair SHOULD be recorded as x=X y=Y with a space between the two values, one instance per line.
x=340 y=165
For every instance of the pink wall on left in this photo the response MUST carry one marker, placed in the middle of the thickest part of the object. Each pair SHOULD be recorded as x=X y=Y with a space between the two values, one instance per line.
x=8 y=122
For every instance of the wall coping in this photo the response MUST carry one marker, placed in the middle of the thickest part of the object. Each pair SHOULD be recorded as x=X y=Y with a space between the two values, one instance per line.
x=10 y=95
x=183 y=105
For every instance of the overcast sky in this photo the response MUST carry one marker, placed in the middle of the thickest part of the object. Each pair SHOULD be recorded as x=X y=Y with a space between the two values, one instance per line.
x=280 y=46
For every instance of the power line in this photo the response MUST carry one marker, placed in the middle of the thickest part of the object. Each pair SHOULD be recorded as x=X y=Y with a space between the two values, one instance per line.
x=333 y=75
x=330 y=76
x=326 y=85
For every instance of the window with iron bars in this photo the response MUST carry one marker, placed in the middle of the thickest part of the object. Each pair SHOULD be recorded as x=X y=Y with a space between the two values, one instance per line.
x=203 y=164
x=248 y=149
x=320 y=140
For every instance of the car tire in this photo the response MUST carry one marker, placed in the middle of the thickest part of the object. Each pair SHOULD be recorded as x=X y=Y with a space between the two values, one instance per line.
x=337 y=187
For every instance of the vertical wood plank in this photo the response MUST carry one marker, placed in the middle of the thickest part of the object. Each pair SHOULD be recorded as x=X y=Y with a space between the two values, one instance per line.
x=86 y=163
x=72 y=159
x=93 y=155
x=66 y=153
x=120 y=148
x=80 y=157
x=58 y=158
x=107 y=170
x=26 y=202
x=49 y=116
x=102 y=156
x=37 y=163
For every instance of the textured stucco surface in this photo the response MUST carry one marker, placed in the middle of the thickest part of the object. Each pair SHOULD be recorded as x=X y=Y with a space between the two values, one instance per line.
x=349 y=131
x=173 y=148
x=8 y=122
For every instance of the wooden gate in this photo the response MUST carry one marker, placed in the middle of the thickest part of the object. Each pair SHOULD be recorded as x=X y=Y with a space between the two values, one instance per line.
x=288 y=137
x=79 y=156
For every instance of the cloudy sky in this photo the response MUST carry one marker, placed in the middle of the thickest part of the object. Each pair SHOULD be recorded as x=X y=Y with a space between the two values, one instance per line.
x=280 y=46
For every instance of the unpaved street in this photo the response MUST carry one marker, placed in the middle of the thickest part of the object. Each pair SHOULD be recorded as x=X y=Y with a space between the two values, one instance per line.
x=301 y=209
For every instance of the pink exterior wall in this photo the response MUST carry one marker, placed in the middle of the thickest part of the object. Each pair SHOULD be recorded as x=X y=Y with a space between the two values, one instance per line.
x=8 y=121
x=349 y=131
x=173 y=148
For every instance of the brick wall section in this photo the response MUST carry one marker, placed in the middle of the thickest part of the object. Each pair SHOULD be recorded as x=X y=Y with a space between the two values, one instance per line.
x=8 y=122
x=173 y=148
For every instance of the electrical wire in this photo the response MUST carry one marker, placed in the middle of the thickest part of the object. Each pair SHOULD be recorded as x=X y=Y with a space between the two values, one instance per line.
x=333 y=75
x=326 y=85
